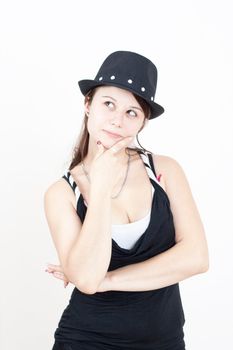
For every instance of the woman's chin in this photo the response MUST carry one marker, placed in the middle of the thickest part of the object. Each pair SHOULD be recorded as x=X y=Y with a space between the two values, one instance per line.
x=107 y=144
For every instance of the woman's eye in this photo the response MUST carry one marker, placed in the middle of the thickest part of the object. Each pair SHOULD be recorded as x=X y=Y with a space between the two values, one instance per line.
x=133 y=114
x=109 y=102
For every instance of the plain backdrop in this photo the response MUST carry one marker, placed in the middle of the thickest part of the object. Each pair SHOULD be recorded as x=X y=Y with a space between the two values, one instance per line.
x=45 y=48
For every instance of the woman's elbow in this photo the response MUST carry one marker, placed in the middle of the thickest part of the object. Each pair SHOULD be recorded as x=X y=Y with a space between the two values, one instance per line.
x=198 y=261
x=204 y=262
x=83 y=287
x=205 y=265
x=86 y=289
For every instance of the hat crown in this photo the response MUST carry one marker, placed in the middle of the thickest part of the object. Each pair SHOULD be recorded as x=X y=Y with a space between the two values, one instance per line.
x=131 y=69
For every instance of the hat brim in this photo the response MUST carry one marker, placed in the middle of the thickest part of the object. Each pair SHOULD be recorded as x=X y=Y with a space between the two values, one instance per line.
x=86 y=84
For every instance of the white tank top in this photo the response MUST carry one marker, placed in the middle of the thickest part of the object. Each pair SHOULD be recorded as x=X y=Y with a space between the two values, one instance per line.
x=126 y=235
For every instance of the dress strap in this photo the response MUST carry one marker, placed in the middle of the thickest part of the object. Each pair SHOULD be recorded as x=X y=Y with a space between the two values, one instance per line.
x=69 y=178
x=149 y=165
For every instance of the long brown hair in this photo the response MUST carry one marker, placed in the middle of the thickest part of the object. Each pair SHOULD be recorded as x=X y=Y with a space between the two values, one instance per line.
x=81 y=148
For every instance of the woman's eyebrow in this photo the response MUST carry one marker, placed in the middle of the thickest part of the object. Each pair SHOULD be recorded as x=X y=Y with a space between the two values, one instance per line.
x=129 y=106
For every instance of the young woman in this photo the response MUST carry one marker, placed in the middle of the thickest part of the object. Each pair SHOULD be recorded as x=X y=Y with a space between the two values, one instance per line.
x=123 y=221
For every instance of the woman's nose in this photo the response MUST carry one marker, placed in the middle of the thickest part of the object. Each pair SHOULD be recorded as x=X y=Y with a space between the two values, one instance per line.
x=117 y=119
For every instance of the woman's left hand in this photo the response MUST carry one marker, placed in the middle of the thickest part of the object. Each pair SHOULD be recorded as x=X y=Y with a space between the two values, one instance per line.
x=57 y=272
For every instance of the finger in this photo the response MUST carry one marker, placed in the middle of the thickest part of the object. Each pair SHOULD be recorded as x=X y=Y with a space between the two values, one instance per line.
x=100 y=149
x=57 y=273
x=66 y=284
x=52 y=267
x=120 y=144
x=59 y=276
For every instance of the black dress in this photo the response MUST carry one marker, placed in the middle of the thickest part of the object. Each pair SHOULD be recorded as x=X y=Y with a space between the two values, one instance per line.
x=115 y=320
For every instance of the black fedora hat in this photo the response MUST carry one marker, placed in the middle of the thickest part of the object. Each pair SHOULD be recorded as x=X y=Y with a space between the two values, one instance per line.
x=131 y=71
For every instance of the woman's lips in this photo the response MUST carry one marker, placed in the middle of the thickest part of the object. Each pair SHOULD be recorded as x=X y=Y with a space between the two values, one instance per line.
x=112 y=135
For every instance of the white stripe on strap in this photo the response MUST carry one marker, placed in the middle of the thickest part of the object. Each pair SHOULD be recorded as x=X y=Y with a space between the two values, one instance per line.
x=150 y=172
x=73 y=184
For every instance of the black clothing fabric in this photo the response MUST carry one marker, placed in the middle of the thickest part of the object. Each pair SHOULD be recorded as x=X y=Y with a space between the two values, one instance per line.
x=116 y=320
x=62 y=346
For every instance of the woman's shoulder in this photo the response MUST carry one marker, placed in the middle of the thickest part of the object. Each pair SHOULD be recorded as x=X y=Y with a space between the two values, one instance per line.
x=162 y=161
x=59 y=189
x=173 y=176
x=167 y=169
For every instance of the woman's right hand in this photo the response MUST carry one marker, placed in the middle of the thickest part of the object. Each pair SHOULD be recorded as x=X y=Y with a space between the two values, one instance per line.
x=106 y=168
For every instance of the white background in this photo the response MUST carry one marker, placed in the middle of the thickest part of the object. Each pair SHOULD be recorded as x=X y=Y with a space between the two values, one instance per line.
x=46 y=47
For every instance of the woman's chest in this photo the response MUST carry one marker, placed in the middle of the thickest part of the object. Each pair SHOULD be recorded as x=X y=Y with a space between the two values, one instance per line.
x=133 y=202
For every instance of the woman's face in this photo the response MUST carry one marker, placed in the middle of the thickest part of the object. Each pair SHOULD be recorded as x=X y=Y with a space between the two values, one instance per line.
x=113 y=110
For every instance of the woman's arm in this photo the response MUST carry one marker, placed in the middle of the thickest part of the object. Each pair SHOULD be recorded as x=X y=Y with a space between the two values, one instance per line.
x=90 y=255
x=189 y=256
x=84 y=250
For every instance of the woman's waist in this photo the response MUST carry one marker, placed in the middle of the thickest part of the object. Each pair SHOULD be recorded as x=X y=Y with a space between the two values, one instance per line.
x=122 y=298
x=150 y=316
x=154 y=306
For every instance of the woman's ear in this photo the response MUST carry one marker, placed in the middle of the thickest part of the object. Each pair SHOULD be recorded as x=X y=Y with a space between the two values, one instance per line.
x=86 y=107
